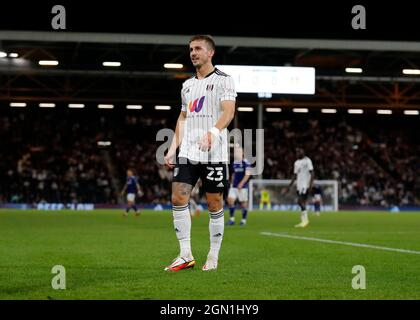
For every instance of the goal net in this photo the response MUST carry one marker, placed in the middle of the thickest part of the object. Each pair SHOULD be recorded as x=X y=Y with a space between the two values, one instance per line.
x=278 y=200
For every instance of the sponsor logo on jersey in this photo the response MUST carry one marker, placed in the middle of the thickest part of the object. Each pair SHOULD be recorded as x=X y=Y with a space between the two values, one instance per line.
x=210 y=87
x=197 y=104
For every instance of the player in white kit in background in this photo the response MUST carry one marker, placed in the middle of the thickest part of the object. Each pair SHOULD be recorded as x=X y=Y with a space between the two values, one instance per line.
x=208 y=107
x=303 y=174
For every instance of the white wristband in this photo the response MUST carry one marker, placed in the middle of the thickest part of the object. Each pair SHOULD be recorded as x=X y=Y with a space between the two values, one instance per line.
x=215 y=131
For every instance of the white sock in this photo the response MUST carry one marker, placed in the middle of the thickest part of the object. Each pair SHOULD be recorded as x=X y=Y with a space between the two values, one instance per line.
x=182 y=225
x=304 y=216
x=216 y=228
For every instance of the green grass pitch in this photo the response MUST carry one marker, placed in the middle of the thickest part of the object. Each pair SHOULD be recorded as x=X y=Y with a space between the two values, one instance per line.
x=107 y=256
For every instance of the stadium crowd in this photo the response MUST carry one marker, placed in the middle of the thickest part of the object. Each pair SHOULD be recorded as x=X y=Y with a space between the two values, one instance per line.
x=345 y=153
x=54 y=157
x=137 y=149
x=51 y=159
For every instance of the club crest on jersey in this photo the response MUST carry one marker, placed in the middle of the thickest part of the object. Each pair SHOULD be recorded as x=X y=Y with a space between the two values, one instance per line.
x=210 y=87
x=197 y=104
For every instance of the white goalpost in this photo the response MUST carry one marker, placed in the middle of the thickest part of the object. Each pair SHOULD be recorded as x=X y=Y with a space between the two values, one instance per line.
x=281 y=201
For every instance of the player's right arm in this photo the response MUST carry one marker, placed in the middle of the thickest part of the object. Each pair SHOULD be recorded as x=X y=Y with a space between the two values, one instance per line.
x=176 y=141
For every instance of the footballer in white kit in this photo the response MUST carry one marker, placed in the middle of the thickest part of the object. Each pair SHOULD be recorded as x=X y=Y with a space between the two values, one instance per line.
x=208 y=107
x=303 y=174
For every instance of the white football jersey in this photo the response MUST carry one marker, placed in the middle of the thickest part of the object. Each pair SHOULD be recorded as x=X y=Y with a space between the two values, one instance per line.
x=201 y=99
x=302 y=169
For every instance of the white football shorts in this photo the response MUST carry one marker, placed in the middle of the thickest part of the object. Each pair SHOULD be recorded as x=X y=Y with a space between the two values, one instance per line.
x=241 y=195
x=317 y=198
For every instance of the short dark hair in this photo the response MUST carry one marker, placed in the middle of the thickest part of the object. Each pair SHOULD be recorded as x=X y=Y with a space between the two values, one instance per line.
x=205 y=37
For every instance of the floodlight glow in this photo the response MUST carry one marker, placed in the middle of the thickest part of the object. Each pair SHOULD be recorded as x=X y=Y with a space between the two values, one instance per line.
x=354 y=70
x=76 y=105
x=162 y=107
x=47 y=105
x=355 y=111
x=300 y=110
x=18 y=104
x=173 y=65
x=273 y=109
x=411 y=112
x=382 y=111
x=48 y=62
x=134 y=107
x=245 y=109
x=105 y=106
x=411 y=71
x=111 y=64
x=104 y=143
x=329 y=110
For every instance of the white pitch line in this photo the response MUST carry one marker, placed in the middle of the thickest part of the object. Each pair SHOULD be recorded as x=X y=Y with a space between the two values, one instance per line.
x=352 y=244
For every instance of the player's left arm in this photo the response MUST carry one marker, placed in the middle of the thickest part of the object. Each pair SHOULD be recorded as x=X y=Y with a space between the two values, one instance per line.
x=311 y=183
x=228 y=113
x=227 y=104
x=311 y=170
x=245 y=179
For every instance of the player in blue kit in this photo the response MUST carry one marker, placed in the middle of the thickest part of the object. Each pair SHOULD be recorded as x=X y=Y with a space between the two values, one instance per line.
x=132 y=188
x=239 y=186
x=317 y=198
